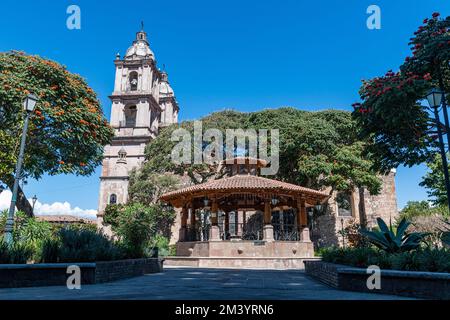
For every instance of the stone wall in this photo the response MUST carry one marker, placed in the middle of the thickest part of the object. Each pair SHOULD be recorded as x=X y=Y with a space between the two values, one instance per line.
x=428 y=285
x=326 y=227
x=246 y=249
x=116 y=270
x=55 y=274
x=324 y=272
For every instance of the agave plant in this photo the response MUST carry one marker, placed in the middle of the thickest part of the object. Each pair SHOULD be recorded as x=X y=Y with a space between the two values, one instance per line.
x=393 y=242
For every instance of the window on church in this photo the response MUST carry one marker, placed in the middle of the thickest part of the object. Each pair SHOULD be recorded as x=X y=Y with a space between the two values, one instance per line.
x=113 y=199
x=344 y=202
x=130 y=116
x=133 y=81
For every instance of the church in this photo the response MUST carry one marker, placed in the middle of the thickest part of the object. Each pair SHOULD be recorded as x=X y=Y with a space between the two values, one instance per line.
x=143 y=102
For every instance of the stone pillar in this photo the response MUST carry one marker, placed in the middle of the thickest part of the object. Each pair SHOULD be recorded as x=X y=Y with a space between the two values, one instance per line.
x=184 y=219
x=214 y=233
x=268 y=228
x=304 y=235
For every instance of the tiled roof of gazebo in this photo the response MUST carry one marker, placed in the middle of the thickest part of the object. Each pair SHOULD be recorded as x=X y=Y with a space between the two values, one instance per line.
x=245 y=183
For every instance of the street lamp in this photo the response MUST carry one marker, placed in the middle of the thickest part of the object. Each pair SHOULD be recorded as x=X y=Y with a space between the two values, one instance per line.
x=435 y=98
x=318 y=207
x=28 y=104
x=34 y=199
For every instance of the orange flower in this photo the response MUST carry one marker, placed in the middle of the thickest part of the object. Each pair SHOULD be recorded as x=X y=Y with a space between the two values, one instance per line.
x=38 y=113
x=61 y=162
x=82 y=164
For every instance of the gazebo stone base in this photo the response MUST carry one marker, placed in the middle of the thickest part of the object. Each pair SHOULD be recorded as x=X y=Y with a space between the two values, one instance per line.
x=281 y=263
x=246 y=249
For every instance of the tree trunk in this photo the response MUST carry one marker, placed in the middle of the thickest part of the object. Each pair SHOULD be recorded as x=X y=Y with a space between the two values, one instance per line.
x=22 y=203
x=362 y=209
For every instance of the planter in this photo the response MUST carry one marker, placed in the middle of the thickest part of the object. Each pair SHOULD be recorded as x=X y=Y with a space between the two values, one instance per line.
x=428 y=285
x=55 y=274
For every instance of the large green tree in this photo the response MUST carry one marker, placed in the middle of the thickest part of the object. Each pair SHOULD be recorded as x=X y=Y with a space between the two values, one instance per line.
x=391 y=114
x=317 y=149
x=434 y=182
x=67 y=131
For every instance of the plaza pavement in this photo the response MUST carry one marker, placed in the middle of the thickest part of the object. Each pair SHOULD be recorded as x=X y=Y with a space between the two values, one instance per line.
x=200 y=284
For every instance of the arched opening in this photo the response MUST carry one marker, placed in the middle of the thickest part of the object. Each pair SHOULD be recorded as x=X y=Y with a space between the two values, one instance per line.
x=133 y=79
x=344 y=203
x=113 y=199
x=130 y=116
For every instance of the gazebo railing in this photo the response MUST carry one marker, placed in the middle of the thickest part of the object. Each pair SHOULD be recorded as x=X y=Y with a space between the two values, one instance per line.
x=243 y=231
x=197 y=233
x=281 y=232
x=286 y=232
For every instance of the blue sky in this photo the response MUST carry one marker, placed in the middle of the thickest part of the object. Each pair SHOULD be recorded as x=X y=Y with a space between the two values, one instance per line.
x=246 y=55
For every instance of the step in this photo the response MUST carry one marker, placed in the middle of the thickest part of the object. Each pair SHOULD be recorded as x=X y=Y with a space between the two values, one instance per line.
x=278 y=263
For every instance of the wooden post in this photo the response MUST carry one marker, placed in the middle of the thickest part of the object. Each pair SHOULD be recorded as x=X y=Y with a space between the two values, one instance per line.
x=302 y=219
x=227 y=223
x=267 y=212
x=184 y=219
x=215 y=213
x=192 y=215
x=184 y=216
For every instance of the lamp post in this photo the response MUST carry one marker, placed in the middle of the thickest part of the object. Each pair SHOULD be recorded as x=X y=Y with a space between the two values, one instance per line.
x=435 y=99
x=34 y=199
x=28 y=105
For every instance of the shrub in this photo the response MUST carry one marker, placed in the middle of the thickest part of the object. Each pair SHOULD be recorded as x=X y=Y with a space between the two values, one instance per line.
x=162 y=243
x=356 y=257
x=136 y=224
x=4 y=254
x=86 y=246
x=434 y=260
x=406 y=261
x=19 y=253
x=390 y=241
x=172 y=250
x=50 y=251
x=428 y=259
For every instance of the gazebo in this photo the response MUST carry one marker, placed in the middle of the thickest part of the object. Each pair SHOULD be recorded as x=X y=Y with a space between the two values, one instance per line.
x=244 y=214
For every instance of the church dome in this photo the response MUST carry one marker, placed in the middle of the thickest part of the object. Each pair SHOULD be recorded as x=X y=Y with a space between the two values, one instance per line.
x=140 y=48
x=165 y=90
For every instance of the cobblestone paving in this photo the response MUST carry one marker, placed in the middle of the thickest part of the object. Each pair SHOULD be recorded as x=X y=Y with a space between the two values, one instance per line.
x=198 y=284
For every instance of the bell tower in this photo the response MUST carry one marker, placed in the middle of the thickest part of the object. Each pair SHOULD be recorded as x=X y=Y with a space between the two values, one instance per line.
x=135 y=117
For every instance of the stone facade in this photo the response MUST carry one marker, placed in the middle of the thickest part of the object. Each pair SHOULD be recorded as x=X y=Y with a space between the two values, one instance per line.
x=326 y=226
x=142 y=102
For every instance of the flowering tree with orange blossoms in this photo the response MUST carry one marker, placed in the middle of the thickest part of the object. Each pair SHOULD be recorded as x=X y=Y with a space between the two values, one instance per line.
x=67 y=131
x=391 y=112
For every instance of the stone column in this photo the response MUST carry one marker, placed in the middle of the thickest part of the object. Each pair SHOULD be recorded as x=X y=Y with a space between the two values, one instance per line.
x=214 y=234
x=268 y=228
